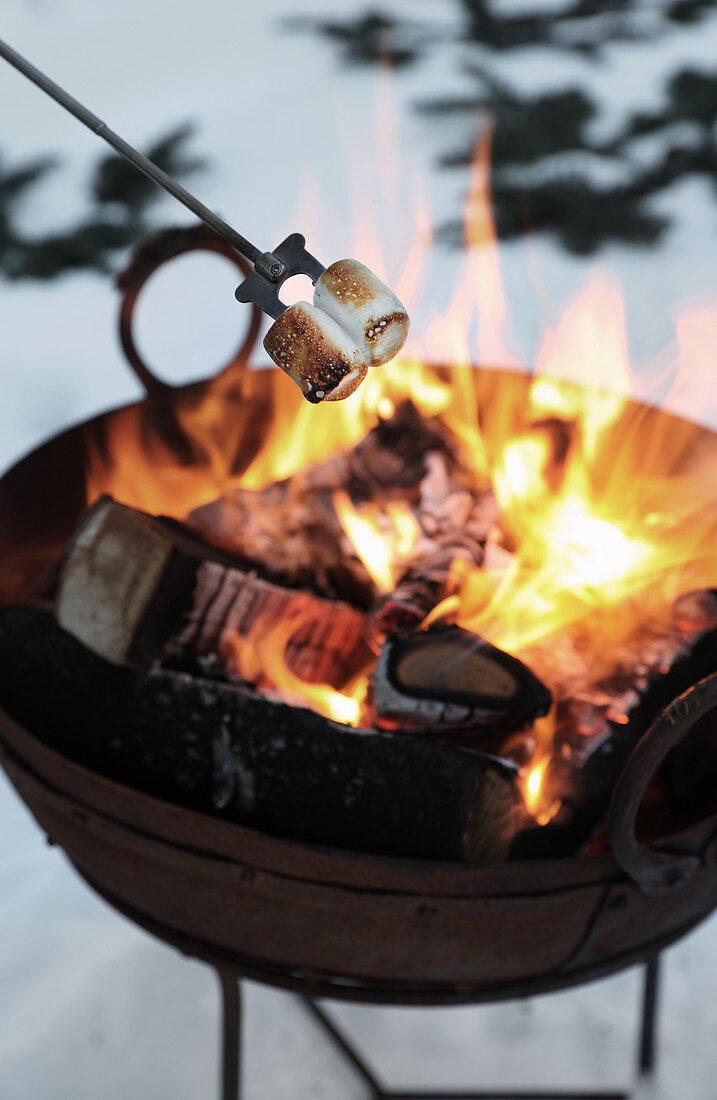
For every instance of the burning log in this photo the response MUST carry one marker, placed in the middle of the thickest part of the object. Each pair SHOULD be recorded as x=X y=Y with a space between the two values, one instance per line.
x=143 y=590
x=456 y=522
x=218 y=749
x=449 y=677
x=291 y=526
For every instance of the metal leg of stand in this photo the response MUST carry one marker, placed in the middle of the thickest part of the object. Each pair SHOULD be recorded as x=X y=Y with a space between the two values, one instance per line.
x=378 y=1092
x=649 y=1017
x=231 y=1035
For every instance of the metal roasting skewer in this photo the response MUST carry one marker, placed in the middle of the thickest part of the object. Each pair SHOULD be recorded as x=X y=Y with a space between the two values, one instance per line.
x=271 y=269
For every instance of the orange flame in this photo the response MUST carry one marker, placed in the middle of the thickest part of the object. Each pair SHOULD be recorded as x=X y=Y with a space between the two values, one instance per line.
x=260 y=660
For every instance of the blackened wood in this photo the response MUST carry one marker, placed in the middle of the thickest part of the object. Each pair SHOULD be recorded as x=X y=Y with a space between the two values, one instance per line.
x=446 y=676
x=211 y=747
x=294 y=536
x=391 y=456
x=141 y=589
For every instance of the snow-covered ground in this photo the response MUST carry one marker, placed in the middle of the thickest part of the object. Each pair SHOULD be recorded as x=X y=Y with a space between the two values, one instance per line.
x=90 y=1006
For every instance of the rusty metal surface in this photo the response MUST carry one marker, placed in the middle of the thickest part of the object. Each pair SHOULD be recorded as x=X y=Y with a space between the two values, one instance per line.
x=153 y=254
x=657 y=873
x=363 y=927
x=318 y=920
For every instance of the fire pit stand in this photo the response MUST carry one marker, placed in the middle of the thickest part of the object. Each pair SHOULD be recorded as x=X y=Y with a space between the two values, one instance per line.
x=231 y=1068
x=645 y=1061
x=231 y=1051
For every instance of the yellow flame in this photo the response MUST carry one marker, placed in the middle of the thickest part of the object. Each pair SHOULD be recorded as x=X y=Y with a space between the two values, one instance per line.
x=372 y=546
x=533 y=793
x=381 y=536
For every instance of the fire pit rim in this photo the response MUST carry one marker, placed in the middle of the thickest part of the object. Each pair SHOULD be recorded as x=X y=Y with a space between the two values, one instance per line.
x=579 y=963
x=174 y=826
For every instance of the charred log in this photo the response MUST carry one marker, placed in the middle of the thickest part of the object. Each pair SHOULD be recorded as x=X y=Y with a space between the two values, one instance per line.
x=291 y=526
x=217 y=749
x=142 y=590
x=392 y=456
x=456 y=522
x=447 y=677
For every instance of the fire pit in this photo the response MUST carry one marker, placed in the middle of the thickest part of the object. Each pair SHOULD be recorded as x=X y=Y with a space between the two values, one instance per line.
x=403 y=900
x=307 y=916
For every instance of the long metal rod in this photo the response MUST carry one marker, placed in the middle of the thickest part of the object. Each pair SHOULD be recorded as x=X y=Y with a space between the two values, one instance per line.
x=144 y=164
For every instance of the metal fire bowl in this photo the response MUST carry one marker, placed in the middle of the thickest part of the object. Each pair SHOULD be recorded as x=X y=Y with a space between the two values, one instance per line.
x=327 y=922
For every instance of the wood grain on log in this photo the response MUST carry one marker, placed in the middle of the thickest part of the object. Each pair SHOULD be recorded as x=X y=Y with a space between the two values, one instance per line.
x=449 y=677
x=142 y=590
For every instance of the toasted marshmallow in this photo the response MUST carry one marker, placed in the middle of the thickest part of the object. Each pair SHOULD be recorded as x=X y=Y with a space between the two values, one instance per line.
x=365 y=308
x=316 y=352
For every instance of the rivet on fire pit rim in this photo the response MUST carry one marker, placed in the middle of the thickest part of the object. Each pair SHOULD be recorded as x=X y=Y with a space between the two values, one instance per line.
x=427 y=910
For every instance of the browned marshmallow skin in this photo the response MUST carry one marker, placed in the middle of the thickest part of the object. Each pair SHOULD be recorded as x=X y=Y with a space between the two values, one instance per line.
x=365 y=308
x=316 y=352
x=352 y=284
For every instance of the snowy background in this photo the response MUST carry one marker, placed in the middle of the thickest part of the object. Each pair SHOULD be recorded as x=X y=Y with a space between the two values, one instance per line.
x=89 y=1006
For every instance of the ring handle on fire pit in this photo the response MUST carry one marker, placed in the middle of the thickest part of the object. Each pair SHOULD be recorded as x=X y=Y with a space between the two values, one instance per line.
x=655 y=872
x=151 y=255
